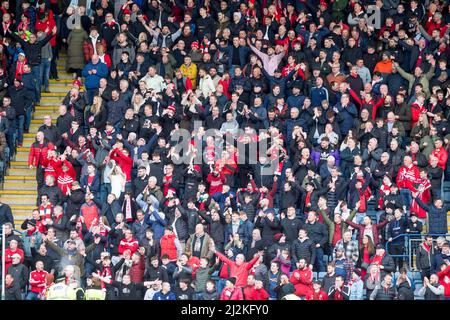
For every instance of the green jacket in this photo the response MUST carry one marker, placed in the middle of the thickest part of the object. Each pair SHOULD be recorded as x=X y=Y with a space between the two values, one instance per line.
x=77 y=259
x=424 y=79
x=331 y=225
x=429 y=140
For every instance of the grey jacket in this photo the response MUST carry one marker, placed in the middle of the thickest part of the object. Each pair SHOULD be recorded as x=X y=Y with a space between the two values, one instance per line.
x=46 y=51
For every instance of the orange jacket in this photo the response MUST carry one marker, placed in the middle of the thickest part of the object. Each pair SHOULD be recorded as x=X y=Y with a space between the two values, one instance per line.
x=384 y=66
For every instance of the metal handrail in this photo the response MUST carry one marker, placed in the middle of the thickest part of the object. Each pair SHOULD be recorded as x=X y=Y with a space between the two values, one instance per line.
x=408 y=236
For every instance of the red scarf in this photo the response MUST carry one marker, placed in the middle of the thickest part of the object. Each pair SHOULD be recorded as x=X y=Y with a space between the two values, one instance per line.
x=6 y=26
x=166 y=182
x=19 y=67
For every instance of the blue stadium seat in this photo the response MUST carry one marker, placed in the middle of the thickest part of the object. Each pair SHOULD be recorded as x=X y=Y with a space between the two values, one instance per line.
x=320 y=275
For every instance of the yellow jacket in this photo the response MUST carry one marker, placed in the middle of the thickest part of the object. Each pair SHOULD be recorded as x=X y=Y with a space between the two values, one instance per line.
x=191 y=73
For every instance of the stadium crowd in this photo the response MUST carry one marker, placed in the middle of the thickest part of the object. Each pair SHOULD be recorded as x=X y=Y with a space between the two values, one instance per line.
x=344 y=104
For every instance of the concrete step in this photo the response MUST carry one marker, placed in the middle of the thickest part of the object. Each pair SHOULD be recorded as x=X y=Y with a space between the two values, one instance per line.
x=52 y=107
x=14 y=185
x=21 y=157
x=54 y=94
x=61 y=81
x=40 y=122
x=52 y=104
x=28 y=208
x=61 y=89
x=50 y=99
x=65 y=76
x=19 y=179
x=42 y=115
x=22 y=200
x=21 y=172
x=19 y=164
x=18 y=192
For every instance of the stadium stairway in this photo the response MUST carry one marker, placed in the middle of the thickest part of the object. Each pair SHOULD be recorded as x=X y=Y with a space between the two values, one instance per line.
x=19 y=186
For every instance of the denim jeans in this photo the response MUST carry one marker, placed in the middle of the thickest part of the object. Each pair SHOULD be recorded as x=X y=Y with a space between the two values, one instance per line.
x=44 y=73
x=20 y=121
x=220 y=284
x=10 y=138
x=32 y=296
x=319 y=260
x=407 y=197
x=36 y=70
x=90 y=95
x=360 y=217
x=105 y=189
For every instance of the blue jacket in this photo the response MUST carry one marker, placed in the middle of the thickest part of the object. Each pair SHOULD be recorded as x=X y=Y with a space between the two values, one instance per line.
x=93 y=80
x=346 y=117
x=147 y=147
x=295 y=101
x=396 y=228
x=318 y=95
x=95 y=186
x=160 y=296
x=243 y=53
x=239 y=81
x=241 y=231
x=157 y=222
x=290 y=124
x=279 y=81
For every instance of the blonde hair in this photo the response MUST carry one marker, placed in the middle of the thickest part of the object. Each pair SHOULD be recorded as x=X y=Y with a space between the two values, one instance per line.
x=97 y=107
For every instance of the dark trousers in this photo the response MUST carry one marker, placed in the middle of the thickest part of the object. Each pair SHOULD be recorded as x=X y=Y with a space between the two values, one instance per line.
x=53 y=69
x=396 y=249
x=319 y=264
x=40 y=176
x=426 y=272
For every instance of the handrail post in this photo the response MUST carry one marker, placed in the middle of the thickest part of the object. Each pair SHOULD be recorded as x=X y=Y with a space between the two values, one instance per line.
x=3 y=261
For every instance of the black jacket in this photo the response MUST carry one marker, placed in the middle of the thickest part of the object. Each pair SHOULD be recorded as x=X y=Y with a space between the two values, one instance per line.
x=389 y=266
x=404 y=291
x=13 y=292
x=20 y=274
x=74 y=202
x=328 y=281
x=48 y=260
x=139 y=185
x=20 y=99
x=130 y=291
x=216 y=229
x=152 y=273
x=32 y=51
x=268 y=228
x=303 y=250
x=345 y=292
x=51 y=133
x=290 y=228
x=317 y=232
x=54 y=194
x=64 y=123
x=6 y=214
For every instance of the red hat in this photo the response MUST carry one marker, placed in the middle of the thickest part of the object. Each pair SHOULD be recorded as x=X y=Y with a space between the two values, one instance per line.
x=195 y=44
x=278 y=236
x=126 y=11
x=171 y=108
x=76 y=82
x=323 y=3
